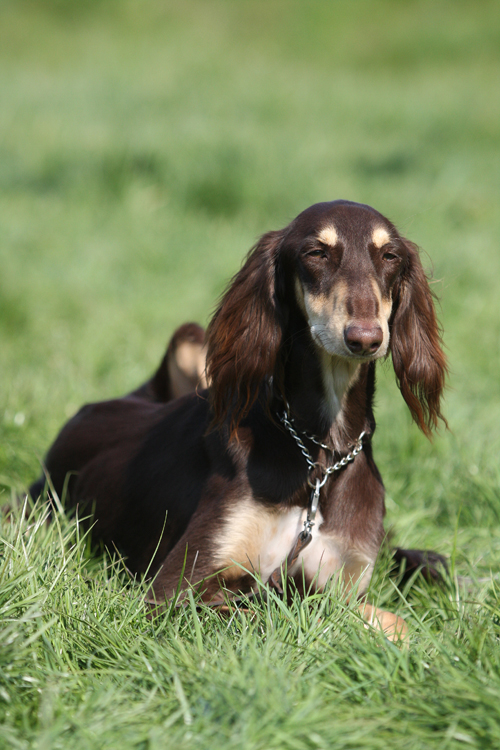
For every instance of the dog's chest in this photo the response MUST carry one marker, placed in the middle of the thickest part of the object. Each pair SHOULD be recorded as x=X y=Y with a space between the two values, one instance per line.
x=259 y=539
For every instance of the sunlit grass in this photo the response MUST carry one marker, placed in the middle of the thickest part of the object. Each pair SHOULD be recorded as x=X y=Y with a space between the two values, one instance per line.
x=81 y=662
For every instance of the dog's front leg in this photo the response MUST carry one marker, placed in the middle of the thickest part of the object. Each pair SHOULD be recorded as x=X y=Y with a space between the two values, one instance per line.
x=393 y=627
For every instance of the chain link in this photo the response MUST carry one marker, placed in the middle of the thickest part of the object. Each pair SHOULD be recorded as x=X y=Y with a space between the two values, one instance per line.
x=287 y=420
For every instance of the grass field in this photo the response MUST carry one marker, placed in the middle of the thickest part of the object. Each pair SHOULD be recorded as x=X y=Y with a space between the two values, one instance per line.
x=143 y=148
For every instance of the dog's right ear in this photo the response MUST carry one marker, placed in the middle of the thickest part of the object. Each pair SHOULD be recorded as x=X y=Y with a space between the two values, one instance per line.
x=245 y=334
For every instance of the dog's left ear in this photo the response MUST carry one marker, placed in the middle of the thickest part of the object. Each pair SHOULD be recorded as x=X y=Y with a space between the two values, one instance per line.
x=416 y=346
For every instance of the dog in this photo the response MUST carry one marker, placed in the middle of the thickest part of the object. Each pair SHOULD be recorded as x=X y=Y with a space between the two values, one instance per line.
x=268 y=472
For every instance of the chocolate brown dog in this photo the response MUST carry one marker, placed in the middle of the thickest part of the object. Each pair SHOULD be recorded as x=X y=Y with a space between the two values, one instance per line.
x=273 y=461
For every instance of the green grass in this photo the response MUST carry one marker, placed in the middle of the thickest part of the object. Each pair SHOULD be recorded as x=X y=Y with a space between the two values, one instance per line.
x=143 y=148
x=82 y=666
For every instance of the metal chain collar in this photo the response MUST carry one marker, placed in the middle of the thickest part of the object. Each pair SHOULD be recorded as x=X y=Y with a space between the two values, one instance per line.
x=287 y=420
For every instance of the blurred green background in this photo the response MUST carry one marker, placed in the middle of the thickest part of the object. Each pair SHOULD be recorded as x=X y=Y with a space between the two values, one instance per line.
x=144 y=146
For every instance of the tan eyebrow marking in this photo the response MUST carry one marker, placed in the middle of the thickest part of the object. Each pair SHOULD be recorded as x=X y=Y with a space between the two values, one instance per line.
x=380 y=236
x=328 y=235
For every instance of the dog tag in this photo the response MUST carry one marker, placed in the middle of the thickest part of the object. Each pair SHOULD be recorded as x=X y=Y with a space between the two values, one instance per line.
x=313 y=505
x=311 y=511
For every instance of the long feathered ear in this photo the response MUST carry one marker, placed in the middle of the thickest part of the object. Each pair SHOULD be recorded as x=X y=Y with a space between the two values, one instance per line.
x=417 y=355
x=244 y=335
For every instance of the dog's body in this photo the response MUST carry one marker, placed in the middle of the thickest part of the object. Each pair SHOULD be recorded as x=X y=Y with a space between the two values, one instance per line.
x=211 y=483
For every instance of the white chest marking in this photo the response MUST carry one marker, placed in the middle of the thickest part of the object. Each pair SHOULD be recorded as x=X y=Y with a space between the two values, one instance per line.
x=259 y=539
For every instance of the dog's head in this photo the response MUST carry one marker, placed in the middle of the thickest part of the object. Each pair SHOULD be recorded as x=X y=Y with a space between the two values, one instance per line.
x=362 y=292
x=346 y=259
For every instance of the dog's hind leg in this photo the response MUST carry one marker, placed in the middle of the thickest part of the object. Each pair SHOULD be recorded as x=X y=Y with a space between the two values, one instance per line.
x=181 y=370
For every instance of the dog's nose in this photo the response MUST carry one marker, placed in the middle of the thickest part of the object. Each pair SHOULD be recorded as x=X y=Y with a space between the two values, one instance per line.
x=362 y=339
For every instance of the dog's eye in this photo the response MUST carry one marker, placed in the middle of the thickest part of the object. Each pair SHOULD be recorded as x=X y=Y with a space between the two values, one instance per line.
x=317 y=252
x=388 y=255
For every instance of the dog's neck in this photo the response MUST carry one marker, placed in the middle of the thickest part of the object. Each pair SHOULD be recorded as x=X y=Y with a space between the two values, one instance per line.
x=328 y=396
x=338 y=376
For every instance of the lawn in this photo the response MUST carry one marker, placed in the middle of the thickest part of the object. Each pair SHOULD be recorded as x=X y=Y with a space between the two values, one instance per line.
x=144 y=146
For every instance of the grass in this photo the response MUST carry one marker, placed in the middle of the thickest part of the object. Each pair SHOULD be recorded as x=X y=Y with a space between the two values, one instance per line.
x=143 y=148
x=82 y=666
